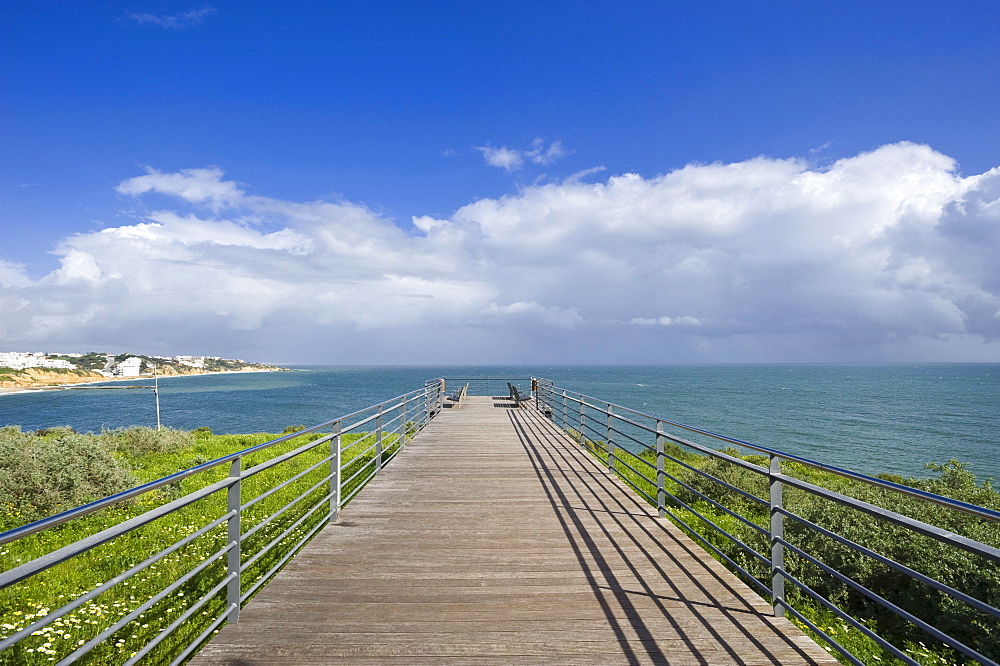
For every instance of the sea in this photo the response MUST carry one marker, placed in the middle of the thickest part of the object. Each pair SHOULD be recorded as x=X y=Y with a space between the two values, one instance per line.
x=868 y=418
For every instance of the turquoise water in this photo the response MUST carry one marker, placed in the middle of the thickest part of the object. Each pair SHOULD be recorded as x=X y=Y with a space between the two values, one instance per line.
x=871 y=418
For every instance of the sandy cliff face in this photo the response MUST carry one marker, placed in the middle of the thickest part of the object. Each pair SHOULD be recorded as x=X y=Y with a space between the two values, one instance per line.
x=30 y=377
x=171 y=370
x=39 y=377
x=34 y=377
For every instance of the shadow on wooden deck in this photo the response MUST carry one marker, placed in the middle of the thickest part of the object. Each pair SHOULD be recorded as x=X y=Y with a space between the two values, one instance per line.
x=591 y=492
x=494 y=539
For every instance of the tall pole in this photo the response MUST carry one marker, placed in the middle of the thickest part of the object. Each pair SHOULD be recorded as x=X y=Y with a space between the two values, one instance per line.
x=156 y=394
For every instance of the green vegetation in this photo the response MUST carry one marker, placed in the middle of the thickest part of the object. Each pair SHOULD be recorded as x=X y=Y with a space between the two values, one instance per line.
x=41 y=476
x=93 y=361
x=227 y=365
x=48 y=471
x=65 y=468
x=957 y=568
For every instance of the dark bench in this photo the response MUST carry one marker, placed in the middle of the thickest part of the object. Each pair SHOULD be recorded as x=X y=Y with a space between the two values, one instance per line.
x=515 y=396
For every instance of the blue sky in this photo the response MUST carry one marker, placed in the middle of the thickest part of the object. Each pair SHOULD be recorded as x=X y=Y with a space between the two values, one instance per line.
x=479 y=158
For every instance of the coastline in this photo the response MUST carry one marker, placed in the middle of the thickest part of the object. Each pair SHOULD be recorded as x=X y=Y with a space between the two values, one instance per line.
x=17 y=390
x=853 y=416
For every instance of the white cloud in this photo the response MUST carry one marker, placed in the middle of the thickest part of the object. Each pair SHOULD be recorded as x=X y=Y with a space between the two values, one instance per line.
x=76 y=266
x=684 y=320
x=12 y=276
x=426 y=223
x=172 y=21
x=502 y=157
x=511 y=159
x=887 y=255
x=192 y=185
x=539 y=154
x=534 y=313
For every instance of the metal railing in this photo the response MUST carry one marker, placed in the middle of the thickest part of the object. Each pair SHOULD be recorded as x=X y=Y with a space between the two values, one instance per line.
x=774 y=489
x=491 y=386
x=252 y=510
x=257 y=507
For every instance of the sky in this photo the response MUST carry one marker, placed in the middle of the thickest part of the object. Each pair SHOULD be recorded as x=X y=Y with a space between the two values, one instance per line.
x=512 y=183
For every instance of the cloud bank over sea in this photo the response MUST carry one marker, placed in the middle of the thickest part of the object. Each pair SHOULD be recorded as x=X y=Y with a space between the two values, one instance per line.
x=889 y=255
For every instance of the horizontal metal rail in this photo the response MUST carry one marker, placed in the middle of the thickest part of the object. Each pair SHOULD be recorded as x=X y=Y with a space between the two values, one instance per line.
x=131 y=493
x=606 y=427
x=316 y=490
x=982 y=512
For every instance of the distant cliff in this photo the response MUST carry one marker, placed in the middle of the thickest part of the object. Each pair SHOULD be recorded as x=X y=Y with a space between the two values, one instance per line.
x=35 y=377
x=11 y=378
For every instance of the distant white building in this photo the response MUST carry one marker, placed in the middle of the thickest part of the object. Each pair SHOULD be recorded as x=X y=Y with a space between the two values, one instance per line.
x=12 y=360
x=56 y=363
x=21 y=360
x=192 y=361
x=130 y=367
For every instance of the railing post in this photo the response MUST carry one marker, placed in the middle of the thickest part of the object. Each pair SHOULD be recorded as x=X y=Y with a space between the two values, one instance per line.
x=611 y=439
x=583 y=417
x=402 y=423
x=335 y=476
x=565 y=411
x=541 y=401
x=661 y=477
x=378 y=441
x=233 y=502
x=777 y=532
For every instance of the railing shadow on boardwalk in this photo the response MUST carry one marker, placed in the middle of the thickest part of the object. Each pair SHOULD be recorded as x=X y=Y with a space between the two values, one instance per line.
x=551 y=562
x=549 y=453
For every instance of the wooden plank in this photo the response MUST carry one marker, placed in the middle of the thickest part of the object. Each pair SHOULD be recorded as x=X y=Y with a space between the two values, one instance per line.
x=492 y=538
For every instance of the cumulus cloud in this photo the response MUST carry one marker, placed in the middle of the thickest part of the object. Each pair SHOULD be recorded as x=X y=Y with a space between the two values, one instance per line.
x=12 y=276
x=192 y=185
x=510 y=159
x=887 y=255
x=172 y=21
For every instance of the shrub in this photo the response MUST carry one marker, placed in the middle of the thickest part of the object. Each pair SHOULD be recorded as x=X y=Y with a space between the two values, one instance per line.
x=952 y=566
x=42 y=476
x=138 y=441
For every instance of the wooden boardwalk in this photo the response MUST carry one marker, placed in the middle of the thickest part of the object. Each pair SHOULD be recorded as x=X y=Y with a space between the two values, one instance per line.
x=493 y=539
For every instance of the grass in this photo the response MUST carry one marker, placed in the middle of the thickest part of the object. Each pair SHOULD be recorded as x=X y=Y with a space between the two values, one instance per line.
x=30 y=600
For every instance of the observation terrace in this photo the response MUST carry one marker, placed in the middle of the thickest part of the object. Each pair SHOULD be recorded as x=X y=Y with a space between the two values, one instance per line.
x=493 y=538
x=501 y=533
